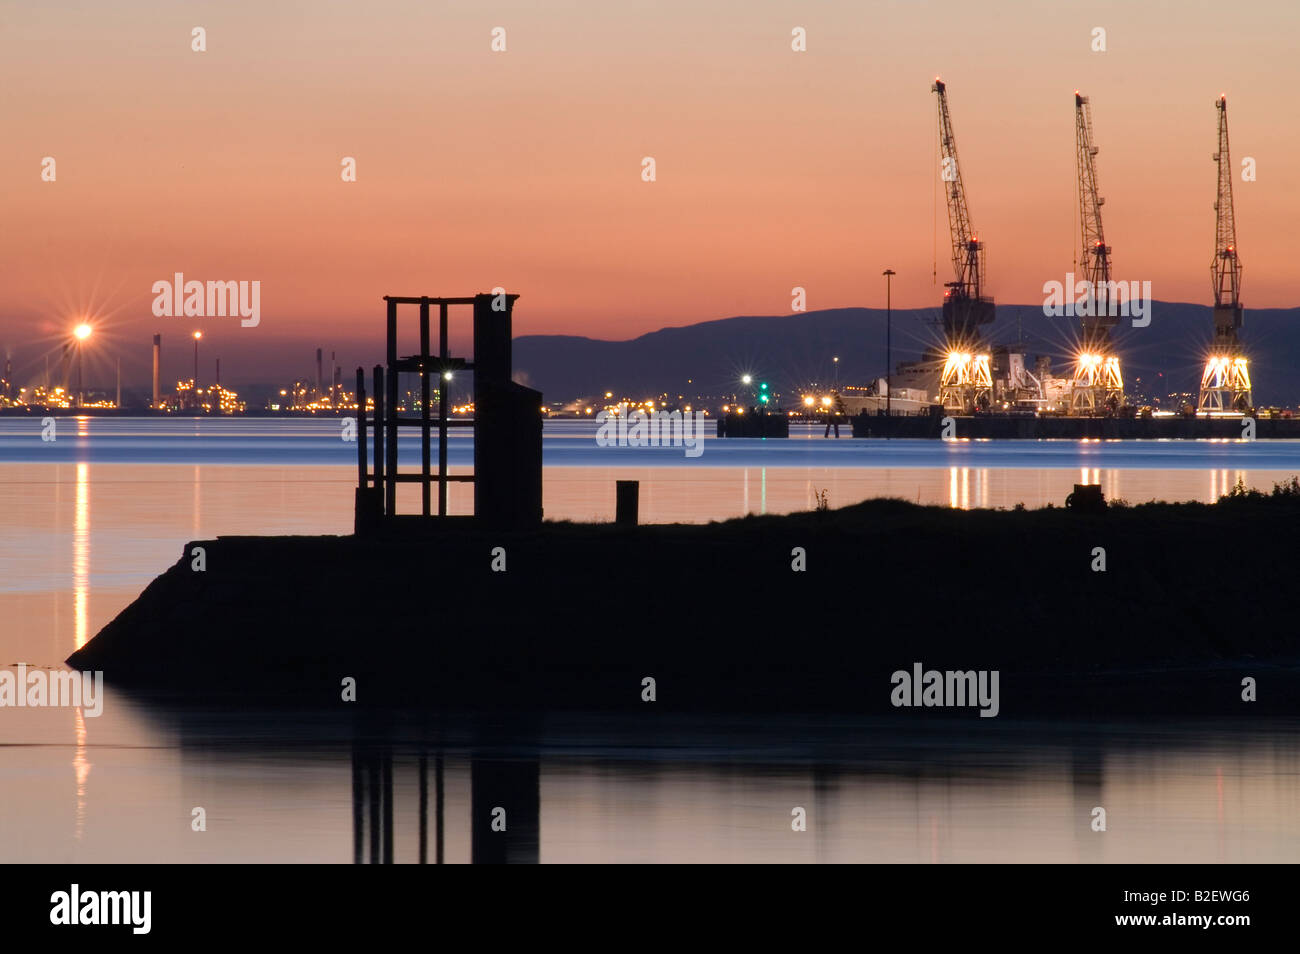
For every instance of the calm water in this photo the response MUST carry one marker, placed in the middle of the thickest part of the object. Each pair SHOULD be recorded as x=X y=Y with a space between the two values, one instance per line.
x=90 y=518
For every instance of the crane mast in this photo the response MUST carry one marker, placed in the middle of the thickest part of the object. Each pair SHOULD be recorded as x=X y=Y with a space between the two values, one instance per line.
x=967 y=264
x=966 y=382
x=1098 y=385
x=1225 y=383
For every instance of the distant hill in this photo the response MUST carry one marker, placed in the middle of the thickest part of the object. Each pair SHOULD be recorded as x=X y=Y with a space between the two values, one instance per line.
x=793 y=351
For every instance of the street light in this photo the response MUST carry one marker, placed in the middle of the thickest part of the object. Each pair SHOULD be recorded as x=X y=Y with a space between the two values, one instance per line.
x=747 y=380
x=194 y=394
x=889 y=362
x=81 y=333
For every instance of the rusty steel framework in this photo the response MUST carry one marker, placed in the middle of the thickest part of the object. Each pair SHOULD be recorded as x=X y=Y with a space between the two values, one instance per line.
x=966 y=382
x=1098 y=386
x=1225 y=383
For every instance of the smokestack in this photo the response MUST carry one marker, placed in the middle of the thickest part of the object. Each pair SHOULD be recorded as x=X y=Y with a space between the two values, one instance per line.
x=119 y=384
x=319 y=380
x=157 y=356
x=218 y=382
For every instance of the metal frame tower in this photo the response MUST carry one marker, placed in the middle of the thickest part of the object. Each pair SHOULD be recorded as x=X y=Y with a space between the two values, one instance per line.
x=1225 y=383
x=1098 y=385
x=966 y=383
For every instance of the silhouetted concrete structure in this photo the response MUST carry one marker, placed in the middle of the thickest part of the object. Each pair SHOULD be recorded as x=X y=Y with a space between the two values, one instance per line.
x=507 y=421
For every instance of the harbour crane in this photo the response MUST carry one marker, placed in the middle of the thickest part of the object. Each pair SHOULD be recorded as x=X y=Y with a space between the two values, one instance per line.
x=1225 y=383
x=966 y=383
x=1098 y=385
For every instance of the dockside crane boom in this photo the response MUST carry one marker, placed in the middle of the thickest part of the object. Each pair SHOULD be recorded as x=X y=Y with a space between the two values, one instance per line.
x=1226 y=268
x=1098 y=385
x=1096 y=253
x=966 y=382
x=1225 y=384
x=967 y=254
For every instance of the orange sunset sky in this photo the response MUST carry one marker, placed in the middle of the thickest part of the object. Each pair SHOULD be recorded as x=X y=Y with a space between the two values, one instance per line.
x=523 y=168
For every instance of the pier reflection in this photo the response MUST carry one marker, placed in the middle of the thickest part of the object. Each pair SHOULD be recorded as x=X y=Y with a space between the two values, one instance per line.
x=504 y=817
x=329 y=788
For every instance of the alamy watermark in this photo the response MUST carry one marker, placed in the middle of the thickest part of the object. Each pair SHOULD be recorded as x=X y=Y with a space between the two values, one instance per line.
x=74 y=906
x=949 y=688
x=58 y=689
x=1113 y=299
x=178 y=298
x=640 y=428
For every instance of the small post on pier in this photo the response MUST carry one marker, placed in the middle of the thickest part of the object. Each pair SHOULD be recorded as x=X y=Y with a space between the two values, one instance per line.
x=626 y=494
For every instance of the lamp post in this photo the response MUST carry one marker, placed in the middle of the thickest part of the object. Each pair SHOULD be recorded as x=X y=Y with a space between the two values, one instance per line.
x=81 y=332
x=889 y=361
x=194 y=391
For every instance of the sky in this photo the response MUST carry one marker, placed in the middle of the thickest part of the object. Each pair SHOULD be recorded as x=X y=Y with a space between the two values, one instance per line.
x=523 y=168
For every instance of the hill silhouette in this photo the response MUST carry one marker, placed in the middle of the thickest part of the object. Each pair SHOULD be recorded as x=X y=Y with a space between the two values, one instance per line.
x=793 y=351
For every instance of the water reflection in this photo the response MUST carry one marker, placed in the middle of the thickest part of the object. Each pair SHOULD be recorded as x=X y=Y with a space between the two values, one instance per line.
x=81 y=557
x=505 y=807
x=871 y=793
x=745 y=507
x=959 y=488
x=80 y=770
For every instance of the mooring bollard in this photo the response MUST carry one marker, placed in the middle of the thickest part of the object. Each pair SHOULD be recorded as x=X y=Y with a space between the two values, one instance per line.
x=626 y=493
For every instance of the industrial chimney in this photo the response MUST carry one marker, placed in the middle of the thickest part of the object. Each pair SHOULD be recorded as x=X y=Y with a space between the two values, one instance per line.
x=157 y=354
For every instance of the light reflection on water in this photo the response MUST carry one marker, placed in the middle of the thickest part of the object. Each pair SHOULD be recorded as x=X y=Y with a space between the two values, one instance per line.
x=82 y=536
x=81 y=557
x=282 y=787
x=121 y=524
